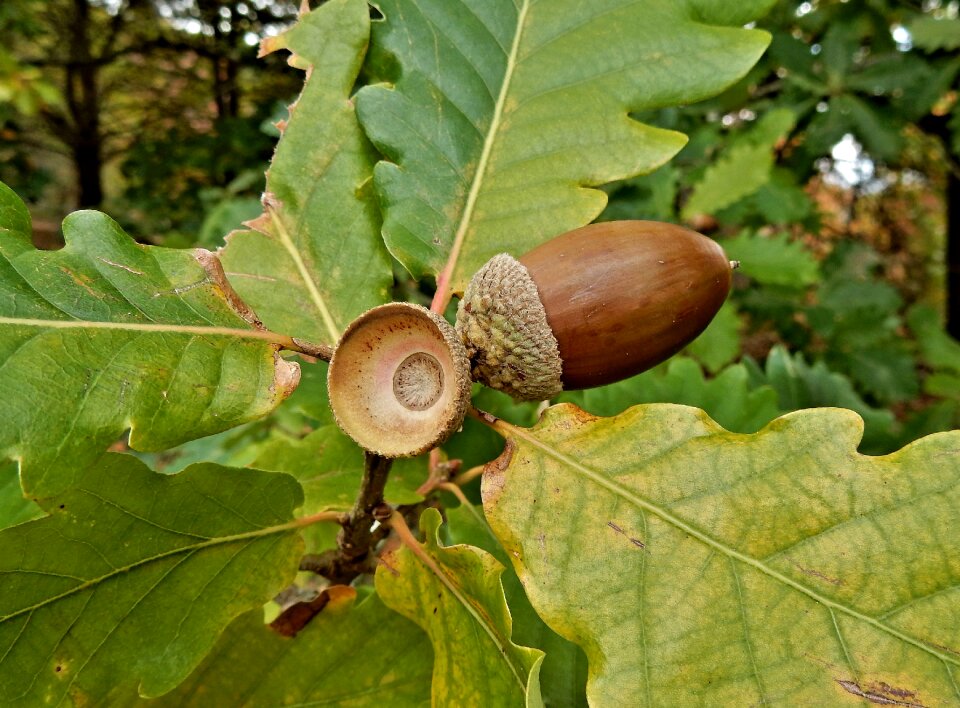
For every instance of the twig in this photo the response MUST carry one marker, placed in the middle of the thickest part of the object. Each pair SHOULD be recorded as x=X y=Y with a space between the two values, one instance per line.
x=356 y=538
x=455 y=491
x=468 y=476
x=319 y=351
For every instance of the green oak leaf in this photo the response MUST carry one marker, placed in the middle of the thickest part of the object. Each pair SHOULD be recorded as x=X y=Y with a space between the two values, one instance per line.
x=503 y=115
x=354 y=653
x=931 y=34
x=743 y=168
x=134 y=574
x=107 y=335
x=719 y=344
x=329 y=466
x=454 y=594
x=773 y=259
x=316 y=260
x=801 y=385
x=937 y=348
x=701 y=567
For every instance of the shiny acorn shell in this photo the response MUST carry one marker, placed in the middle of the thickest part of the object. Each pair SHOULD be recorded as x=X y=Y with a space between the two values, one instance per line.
x=612 y=300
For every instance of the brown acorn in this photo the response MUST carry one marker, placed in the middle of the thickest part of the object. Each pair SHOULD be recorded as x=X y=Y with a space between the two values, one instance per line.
x=399 y=380
x=590 y=307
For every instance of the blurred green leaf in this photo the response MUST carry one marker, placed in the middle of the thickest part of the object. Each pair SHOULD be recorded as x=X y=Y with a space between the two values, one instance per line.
x=719 y=344
x=890 y=74
x=742 y=168
x=651 y=197
x=944 y=385
x=886 y=370
x=931 y=34
x=800 y=385
x=781 y=200
x=773 y=259
x=880 y=132
x=228 y=215
x=728 y=398
x=937 y=348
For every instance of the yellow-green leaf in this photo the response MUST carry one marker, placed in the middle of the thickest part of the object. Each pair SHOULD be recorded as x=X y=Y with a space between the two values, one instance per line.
x=697 y=566
x=454 y=594
x=316 y=259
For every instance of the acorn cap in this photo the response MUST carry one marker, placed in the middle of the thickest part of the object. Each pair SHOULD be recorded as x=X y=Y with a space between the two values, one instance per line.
x=503 y=324
x=399 y=380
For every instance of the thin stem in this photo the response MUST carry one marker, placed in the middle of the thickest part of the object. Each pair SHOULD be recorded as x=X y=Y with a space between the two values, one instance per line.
x=442 y=297
x=489 y=419
x=468 y=476
x=334 y=516
x=323 y=352
x=455 y=491
x=355 y=540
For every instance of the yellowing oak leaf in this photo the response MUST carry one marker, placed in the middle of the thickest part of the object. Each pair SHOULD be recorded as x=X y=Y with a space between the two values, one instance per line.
x=697 y=566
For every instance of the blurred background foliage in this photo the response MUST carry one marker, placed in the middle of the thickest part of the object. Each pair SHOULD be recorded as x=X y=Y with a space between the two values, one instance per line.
x=831 y=172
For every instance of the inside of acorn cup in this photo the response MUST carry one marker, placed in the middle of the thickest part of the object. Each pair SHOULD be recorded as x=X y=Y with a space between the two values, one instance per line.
x=393 y=381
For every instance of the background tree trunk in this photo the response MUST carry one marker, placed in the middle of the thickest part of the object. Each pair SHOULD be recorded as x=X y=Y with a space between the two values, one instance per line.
x=953 y=254
x=83 y=101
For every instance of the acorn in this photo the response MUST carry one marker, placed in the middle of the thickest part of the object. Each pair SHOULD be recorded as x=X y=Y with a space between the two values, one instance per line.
x=590 y=307
x=399 y=380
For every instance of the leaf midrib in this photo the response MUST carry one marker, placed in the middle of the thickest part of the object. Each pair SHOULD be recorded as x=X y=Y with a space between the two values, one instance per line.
x=190 y=548
x=433 y=565
x=263 y=335
x=488 y=143
x=711 y=542
x=314 y=291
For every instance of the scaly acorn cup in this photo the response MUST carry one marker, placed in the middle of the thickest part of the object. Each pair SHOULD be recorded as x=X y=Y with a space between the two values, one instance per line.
x=399 y=380
x=590 y=307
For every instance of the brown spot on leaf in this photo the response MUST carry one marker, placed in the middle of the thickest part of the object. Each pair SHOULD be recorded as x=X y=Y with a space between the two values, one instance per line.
x=261 y=225
x=81 y=280
x=493 y=474
x=383 y=561
x=817 y=574
x=882 y=694
x=216 y=277
x=635 y=541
